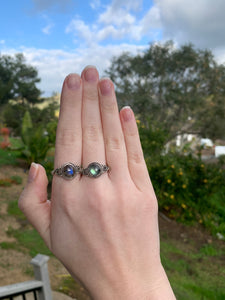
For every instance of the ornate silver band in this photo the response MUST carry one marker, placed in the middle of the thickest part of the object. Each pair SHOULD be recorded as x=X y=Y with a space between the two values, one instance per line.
x=68 y=171
x=95 y=170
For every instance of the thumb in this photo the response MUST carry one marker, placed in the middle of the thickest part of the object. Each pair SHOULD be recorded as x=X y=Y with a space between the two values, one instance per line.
x=33 y=201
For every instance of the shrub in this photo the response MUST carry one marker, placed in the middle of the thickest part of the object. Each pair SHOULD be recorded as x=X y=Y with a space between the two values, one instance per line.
x=187 y=189
x=35 y=139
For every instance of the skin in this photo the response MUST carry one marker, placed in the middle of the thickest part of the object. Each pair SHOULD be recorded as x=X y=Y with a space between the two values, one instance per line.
x=104 y=230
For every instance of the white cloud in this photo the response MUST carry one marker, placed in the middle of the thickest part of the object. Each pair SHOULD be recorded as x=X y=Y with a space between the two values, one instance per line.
x=47 y=29
x=2 y=42
x=81 y=30
x=119 y=17
x=201 y=22
x=95 y=4
x=118 y=22
x=151 y=20
x=54 y=65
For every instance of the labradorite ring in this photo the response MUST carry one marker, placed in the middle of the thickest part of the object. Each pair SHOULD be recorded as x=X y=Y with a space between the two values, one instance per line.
x=68 y=171
x=95 y=170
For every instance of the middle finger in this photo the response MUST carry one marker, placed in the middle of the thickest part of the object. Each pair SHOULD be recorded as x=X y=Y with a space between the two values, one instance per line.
x=93 y=141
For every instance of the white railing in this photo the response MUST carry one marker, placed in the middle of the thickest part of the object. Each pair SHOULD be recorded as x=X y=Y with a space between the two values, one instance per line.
x=40 y=287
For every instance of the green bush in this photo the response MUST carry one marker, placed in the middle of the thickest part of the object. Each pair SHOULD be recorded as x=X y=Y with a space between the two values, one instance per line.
x=187 y=189
x=36 y=141
x=190 y=191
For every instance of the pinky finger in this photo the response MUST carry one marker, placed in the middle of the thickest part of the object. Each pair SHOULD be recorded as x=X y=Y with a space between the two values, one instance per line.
x=136 y=163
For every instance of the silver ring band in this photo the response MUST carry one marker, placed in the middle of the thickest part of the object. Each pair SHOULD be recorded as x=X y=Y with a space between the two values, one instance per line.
x=68 y=171
x=95 y=170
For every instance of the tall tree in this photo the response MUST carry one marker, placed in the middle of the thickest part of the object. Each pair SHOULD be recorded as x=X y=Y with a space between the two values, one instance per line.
x=182 y=89
x=18 y=80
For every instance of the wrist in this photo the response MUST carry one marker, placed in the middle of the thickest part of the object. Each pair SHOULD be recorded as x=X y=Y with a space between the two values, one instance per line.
x=157 y=288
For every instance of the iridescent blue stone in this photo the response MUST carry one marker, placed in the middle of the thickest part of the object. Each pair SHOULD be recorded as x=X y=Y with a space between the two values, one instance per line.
x=68 y=171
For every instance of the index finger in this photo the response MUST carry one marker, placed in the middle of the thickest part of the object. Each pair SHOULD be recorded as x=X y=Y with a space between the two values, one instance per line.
x=69 y=131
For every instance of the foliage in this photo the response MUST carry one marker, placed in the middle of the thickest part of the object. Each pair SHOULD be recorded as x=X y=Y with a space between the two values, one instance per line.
x=18 y=80
x=153 y=138
x=188 y=190
x=35 y=139
x=27 y=127
x=181 y=89
x=13 y=115
x=8 y=157
x=38 y=143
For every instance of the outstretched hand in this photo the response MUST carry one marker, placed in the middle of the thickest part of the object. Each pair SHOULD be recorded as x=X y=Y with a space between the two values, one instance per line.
x=104 y=230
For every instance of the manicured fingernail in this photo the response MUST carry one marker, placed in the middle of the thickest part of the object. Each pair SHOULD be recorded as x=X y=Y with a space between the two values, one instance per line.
x=127 y=113
x=90 y=74
x=32 y=172
x=73 y=81
x=105 y=86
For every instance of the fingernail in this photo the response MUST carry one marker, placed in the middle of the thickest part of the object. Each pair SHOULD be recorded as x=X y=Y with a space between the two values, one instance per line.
x=127 y=113
x=32 y=172
x=73 y=81
x=105 y=86
x=90 y=74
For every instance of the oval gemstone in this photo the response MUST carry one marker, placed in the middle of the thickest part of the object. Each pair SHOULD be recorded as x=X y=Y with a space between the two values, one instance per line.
x=94 y=169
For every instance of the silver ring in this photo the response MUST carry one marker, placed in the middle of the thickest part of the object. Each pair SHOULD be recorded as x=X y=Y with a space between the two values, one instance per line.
x=95 y=170
x=68 y=171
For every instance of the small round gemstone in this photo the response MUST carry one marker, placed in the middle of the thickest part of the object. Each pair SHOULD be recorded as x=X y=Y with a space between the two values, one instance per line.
x=68 y=171
x=94 y=169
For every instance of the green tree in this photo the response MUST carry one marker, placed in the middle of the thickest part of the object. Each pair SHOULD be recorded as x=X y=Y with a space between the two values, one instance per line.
x=181 y=89
x=18 y=80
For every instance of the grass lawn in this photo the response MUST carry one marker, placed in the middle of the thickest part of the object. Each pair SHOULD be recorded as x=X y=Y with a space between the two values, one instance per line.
x=10 y=156
x=194 y=274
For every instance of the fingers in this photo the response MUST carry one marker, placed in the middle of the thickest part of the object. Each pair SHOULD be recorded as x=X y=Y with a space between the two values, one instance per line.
x=33 y=201
x=69 y=131
x=90 y=130
x=135 y=157
x=115 y=148
x=93 y=143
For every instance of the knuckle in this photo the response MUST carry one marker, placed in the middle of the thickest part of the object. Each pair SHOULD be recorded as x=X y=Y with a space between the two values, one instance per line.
x=92 y=133
x=136 y=157
x=67 y=137
x=91 y=95
x=109 y=106
x=114 y=142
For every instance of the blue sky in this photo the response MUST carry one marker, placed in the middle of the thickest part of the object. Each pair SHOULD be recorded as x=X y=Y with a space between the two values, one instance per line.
x=63 y=36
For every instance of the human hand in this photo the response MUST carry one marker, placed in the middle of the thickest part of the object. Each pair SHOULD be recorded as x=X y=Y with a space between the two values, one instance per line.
x=104 y=230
